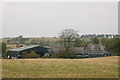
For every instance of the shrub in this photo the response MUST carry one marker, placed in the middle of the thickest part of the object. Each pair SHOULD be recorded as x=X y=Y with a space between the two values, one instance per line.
x=32 y=54
x=64 y=54
x=46 y=56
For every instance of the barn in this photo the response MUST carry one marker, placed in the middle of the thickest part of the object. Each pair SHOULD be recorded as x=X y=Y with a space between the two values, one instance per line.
x=17 y=52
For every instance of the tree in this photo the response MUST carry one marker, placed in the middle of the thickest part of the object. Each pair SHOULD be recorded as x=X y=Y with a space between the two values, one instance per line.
x=112 y=45
x=95 y=40
x=80 y=43
x=77 y=42
x=3 y=48
x=67 y=36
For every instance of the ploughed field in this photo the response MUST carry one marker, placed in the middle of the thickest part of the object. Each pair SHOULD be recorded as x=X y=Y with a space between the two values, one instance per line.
x=102 y=67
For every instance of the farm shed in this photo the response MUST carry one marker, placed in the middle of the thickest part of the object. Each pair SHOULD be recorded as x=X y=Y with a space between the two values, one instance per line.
x=92 y=50
x=17 y=52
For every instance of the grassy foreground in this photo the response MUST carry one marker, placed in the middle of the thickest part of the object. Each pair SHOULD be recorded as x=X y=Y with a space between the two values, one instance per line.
x=104 y=67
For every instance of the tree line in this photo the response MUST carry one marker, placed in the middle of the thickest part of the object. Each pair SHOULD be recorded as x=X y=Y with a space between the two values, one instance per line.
x=70 y=38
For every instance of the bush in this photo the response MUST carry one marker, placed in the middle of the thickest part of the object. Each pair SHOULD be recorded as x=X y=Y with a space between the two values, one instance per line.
x=32 y=54
x=46 y=56
x=64 y=54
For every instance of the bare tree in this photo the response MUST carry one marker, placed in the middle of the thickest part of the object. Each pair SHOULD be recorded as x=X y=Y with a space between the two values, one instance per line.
x=67 y=36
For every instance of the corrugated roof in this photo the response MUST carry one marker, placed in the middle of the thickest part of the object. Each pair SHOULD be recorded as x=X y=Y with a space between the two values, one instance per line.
x=23 y=48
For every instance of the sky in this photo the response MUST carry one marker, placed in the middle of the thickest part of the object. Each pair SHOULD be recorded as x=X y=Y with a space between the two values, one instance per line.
x=48 y=19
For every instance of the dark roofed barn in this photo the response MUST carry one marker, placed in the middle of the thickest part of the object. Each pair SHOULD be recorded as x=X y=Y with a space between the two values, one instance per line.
x=17 y=52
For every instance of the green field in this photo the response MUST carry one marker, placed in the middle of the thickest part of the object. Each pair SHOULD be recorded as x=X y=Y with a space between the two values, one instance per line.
x=104 y=67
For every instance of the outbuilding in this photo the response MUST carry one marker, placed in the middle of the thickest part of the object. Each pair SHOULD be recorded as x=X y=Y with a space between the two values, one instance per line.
x=18 y=52
x=92 y=50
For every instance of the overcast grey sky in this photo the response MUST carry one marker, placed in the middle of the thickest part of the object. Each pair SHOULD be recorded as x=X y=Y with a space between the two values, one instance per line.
x=49 y=18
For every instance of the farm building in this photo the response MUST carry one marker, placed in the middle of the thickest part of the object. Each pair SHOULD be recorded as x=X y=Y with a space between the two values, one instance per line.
x=92 y=50
x=18 y=52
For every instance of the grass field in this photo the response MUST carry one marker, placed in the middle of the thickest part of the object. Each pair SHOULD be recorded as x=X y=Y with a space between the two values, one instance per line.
x=104 y=67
